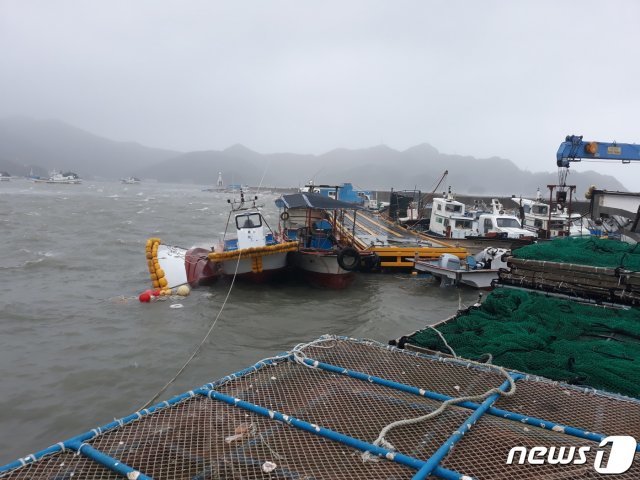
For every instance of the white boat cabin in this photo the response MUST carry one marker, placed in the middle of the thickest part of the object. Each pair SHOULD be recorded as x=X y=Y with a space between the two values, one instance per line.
x=250 y=230
x=537 y=219
x=449 y=218
x=499 y=223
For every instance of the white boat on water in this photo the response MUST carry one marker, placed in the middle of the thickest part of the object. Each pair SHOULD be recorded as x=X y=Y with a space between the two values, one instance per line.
x=477 y=271
x=5 y=177
x=325 y=255
x=63 y=178
x=550 y=223
x=130 y=181
x=451 y=219
x=254 y=254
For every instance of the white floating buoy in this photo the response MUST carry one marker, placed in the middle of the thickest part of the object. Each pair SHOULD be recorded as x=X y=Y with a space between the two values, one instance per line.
x=175 y=305
x=183 y=290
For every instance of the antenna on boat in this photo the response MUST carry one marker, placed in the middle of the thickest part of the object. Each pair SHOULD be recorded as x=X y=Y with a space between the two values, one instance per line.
x=239 y=205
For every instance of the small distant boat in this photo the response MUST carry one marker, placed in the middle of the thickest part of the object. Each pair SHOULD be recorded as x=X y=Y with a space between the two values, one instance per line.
x=477 y=271
x=130 y=180
x=63 y=178
x=4 y=177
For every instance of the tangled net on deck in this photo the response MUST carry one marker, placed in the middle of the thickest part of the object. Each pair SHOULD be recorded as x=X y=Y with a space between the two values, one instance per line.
x=559 y=339
x=592 y=251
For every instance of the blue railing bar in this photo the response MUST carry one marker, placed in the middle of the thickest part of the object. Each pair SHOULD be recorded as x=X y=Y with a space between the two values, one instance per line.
x=246 y=371
x=326 y=433
x=84 y=437
x=444 y=449
x=516 y=417
x=106 y=461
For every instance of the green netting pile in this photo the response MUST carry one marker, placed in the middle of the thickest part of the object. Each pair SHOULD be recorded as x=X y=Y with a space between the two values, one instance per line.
x=559 y=339
x=593 y=251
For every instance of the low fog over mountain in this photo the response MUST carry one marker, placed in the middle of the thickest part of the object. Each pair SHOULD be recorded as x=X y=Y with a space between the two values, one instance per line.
x=43 y=145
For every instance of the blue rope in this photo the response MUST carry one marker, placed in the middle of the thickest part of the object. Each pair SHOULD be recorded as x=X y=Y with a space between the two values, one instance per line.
x=330 y=434
x=435 y=459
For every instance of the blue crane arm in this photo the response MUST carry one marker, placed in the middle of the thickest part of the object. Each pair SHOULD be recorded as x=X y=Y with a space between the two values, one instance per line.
x=574 y=149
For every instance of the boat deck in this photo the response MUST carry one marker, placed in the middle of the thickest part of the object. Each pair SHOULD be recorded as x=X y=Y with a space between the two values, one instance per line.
x=312 y=413
x=392 y=242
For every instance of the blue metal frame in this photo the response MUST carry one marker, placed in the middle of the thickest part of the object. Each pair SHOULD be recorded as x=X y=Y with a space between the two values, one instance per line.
x=424 y=467
x=574 y=148
x=533 y=421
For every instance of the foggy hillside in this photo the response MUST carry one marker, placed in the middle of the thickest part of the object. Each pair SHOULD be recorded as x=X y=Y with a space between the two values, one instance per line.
x=47 y=144
x=376 y=168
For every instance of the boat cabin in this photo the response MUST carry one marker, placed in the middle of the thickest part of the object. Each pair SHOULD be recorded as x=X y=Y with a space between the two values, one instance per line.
x=500 y=223
x=449 y=218
x=250 y=232
x=536 y=218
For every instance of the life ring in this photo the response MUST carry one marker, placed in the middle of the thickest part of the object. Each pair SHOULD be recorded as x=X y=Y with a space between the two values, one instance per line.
x=284 y=216
x=349 y=259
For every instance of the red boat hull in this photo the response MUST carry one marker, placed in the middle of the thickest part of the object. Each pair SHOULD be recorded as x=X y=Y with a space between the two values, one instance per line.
x=200 y=271
x=327 y=280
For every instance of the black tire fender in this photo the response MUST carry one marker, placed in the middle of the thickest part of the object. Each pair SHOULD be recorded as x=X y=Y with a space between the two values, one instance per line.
x=284 y=216
x=349 y=259
x=369 y=263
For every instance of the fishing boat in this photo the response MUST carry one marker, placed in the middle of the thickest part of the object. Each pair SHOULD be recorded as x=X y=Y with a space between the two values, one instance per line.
x=548 y=223
x=130 y=181
x=5 y=177
x=61 y=178
x=451 y=219
x=476 y=271
x=344 y=193
x=325 y=255
x=254 y=253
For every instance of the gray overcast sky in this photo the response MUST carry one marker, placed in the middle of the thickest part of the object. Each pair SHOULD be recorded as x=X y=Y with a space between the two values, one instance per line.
x=483 y=78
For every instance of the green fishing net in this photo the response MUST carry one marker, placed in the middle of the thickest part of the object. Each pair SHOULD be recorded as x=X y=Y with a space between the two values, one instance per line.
x=593 y=251
x=563 y=340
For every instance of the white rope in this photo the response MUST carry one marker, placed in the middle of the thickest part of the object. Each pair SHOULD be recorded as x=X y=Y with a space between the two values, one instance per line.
x=266 y=167
x=444 y=340
x=299 y=356
x=195 y=352
x=381 y=441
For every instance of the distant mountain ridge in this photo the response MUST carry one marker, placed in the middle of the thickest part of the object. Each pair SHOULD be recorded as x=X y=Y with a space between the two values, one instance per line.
x=47 y=144
x=26 y=143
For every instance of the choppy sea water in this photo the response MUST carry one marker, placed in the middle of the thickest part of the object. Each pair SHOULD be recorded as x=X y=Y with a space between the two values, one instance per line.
x=77 y=349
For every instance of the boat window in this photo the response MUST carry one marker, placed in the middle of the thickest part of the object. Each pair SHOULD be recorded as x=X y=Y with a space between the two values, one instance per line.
x=538 y=223
x=439 y=219
x=453 y=208
x=540 y=210
x=556 y=225
x=439 y=208
x=508 y=222
x=488 y=224
x=251 y=220
x=463 y=224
